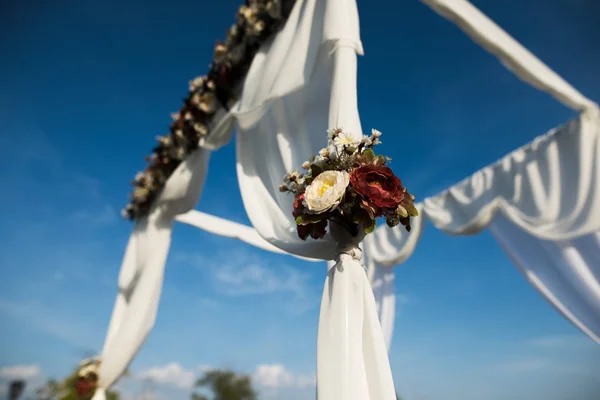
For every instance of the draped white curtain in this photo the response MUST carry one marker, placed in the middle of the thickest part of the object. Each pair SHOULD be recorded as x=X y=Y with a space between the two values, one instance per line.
x=314 y=60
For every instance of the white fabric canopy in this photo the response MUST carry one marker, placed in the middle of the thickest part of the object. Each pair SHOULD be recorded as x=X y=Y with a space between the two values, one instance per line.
x=301 y=83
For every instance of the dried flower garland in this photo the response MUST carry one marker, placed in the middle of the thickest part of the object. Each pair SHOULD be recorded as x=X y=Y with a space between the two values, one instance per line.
x=349 y=184
x=256 y=21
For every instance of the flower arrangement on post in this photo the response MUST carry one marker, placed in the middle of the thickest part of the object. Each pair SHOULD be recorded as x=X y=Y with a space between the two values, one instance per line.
x=87 y=378
x=347 y=183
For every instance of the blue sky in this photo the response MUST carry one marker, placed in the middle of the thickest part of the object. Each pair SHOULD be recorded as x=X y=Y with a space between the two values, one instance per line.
x=86 y=86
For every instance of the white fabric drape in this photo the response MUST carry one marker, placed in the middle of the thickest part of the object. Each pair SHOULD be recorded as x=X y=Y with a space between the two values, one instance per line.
x=382 y=283
x=565 y=272
x=142 y=270
x=291 y=91
x=226 y=228
x=483 y=31
x=301 y=84
x=549 y=189
x=352 y=360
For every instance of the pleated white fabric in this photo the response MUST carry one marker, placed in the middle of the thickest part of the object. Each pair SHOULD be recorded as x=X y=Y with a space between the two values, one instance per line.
x=549 y=189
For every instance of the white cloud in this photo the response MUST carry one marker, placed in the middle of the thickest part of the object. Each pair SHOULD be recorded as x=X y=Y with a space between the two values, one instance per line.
x=559 y=341
x=172 y=374
x=265 y=376
x=101 y=216
x=48 y=321
x=238 y=271
x=24 y=372
x=402 y=299
x=526 y=365
x=249 y=279
x=277 y=376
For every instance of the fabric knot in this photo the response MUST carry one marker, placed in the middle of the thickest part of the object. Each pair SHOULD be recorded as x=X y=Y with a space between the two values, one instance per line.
x=354 y=252
x=346 y=243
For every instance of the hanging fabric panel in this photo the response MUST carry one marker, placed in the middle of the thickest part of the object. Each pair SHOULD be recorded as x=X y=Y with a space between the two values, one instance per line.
x=284 y=120
x=316 y=54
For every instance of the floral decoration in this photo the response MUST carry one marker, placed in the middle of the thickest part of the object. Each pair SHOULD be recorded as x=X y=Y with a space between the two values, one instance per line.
x=87 y=378
x=349 y=184
x=256 y=21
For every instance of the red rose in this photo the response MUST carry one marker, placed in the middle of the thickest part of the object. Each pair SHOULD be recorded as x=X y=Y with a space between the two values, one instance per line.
x=378 y=185
x=298 y=206
x=315 y=231
x=84 y=388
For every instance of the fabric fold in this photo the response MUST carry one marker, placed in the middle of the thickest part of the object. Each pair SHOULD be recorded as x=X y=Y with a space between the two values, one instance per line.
x=297 y=86
x=548 y=188
x=230 y=229
x=520 y=61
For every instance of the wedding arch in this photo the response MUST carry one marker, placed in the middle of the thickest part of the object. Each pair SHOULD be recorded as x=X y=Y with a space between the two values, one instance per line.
x=286 y=73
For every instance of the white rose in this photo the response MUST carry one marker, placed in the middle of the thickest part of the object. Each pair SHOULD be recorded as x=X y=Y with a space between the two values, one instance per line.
x=326 y=191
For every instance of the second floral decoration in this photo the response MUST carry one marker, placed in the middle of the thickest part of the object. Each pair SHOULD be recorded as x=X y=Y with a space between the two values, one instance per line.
x=347 y=183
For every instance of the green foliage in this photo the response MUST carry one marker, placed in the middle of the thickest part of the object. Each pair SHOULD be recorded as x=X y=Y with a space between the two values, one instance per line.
x=65 y=390
x=225 y=385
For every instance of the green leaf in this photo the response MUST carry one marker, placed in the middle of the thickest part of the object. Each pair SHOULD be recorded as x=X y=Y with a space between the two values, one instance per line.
x=368 y=155
x=379 y=160
x=401 y=211
x=307 y=219
x=315 y=170
x=412 y=210
x=302 y=220
x=370 y=227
